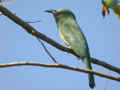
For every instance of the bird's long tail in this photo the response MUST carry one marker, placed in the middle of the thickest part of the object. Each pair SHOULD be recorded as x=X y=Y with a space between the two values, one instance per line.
x=117 y=11
x=90 y=76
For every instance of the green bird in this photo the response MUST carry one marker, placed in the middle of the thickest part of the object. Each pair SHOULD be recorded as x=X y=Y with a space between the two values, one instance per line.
x=73 y=37
x=111 y=4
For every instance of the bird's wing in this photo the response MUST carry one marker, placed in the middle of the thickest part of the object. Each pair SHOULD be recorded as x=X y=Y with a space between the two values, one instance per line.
x=70 y=33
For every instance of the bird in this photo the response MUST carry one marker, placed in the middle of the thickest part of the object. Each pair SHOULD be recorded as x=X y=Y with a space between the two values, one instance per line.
x=73 y=37
x=111 y=4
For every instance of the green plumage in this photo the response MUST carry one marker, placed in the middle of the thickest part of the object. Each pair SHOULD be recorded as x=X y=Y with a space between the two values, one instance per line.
x=72 y=35
x=110 y=3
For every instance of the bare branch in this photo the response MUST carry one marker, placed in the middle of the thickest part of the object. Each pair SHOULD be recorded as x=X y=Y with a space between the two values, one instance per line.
x=46 y=50
x=62 y=67
x=37 y=34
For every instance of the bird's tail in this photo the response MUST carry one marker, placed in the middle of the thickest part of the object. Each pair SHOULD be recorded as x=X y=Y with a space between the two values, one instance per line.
x=117 y=11
x=90 y=76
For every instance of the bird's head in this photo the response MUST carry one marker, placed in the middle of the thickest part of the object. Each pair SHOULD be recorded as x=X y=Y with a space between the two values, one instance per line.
x=61 y=13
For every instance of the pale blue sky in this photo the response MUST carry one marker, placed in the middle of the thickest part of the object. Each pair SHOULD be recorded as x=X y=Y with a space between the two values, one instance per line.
x=17 y=45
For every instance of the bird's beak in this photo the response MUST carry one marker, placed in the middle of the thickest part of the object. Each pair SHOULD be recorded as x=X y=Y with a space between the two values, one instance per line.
x=104 y=9
x=51 y=11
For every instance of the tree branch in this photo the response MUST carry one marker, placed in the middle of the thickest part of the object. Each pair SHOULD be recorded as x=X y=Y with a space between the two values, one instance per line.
x=62 y=67
x=46 y=50
x=37 y=34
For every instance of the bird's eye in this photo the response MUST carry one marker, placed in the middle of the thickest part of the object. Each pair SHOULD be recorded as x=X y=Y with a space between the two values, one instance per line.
x=54 y=11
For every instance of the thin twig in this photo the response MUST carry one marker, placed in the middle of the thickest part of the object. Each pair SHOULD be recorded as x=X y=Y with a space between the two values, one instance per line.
x=46 y=50
x=37 y=34
x=62 y=67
